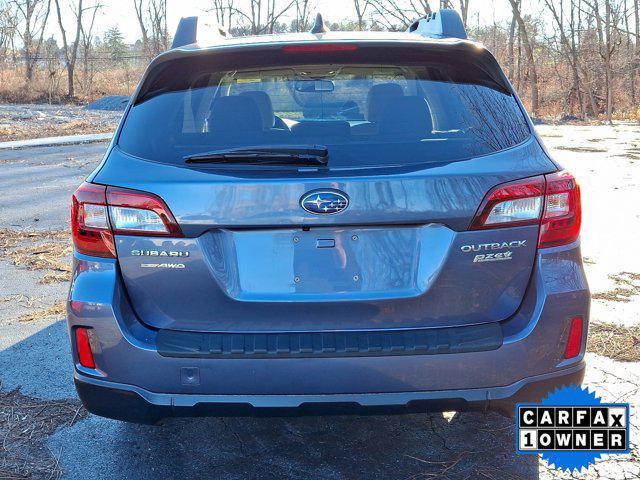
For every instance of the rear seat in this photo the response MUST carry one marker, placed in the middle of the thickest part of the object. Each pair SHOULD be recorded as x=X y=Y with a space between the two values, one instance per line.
x=323 y=128
x=239 y=118
x=407 y=117
x=377 y=99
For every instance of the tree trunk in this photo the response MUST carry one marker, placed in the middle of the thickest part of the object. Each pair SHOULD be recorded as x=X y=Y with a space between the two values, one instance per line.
x=528 y=48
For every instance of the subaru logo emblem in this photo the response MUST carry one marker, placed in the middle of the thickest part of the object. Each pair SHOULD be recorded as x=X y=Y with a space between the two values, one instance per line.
x=324 y=202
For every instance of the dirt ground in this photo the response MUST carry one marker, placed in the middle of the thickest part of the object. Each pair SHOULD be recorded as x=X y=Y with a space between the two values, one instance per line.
x=45 y=434
x=21 y=122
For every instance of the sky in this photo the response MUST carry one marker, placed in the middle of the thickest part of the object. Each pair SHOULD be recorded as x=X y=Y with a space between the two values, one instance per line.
x=122 y=14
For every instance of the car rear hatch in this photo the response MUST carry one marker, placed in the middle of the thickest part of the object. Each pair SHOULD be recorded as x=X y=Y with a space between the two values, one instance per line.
x=254 y=257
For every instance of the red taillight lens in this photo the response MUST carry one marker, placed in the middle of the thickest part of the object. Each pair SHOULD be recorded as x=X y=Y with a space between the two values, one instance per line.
x=562 y=212
x=552 y=200
x=90 y=221
x=574 y=342
x=320 y=48
x=85 y=355
x=511 y=204
x=97 y=212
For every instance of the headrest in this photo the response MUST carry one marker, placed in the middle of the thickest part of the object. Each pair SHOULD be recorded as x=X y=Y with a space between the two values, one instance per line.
x=323 y=128
x=263 y=101
x=233 y=114
x=407 y=116
x=378 y=97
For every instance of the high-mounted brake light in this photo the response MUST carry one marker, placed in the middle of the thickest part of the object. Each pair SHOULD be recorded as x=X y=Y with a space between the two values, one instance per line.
x=552 y=201
x=320 y=48
x=99 y=212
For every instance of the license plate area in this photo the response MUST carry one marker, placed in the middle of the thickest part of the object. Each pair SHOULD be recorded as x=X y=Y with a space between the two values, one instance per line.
x=328 y=263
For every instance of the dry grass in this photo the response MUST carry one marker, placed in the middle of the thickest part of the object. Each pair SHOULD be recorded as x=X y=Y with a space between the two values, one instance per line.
x=52 y=257
x=25 y=424
x=23 y=131
x=49 y=250
x=615 y=341
x=46 y=88
x=627 y=286
x=57 y=310
x=20 y=299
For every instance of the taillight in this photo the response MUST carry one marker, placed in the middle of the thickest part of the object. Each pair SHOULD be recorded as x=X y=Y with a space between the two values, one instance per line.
x=99 y=212
x=562 y=211
x=574 y=341
x=511 y=204
x=552 y=201
x=140 y=213
x=83 y=346
x=90 y=221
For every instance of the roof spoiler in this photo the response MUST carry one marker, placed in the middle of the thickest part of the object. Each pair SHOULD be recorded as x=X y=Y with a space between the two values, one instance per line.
x=441 y=24
x=196 y=30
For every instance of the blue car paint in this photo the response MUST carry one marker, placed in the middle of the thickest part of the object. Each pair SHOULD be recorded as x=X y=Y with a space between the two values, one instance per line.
x=231 y=247
x=533 y=345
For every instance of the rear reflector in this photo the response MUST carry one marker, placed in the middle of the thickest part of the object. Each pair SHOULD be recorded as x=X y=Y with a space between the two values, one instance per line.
x=98 y=212
x=574 y=343
x=85 y=355
x=552 y=201
x=320 y=48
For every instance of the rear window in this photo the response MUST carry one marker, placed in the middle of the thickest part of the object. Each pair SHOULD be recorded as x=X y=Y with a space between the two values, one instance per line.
x=367 y=110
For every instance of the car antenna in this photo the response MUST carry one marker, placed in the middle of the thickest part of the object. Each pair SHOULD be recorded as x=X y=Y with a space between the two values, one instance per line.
x=319 y=26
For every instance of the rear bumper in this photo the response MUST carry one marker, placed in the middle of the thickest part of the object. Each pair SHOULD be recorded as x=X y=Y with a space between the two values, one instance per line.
x=134 y=404
x=135 y=381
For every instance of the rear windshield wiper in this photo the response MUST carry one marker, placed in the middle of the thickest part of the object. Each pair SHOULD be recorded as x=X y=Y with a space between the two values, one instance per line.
x=280 y=155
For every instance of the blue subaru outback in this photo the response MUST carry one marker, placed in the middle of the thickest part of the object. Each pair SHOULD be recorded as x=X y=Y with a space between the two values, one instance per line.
x=325 y=222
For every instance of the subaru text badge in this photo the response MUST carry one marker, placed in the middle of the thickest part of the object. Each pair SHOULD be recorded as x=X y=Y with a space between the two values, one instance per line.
x=324 y=202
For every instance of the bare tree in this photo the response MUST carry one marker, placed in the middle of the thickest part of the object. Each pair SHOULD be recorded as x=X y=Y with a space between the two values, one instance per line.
x=262 y=16
x=152 y=19
x=223 y=10
x=302 y=11
x=33 y=16
x=361 y=9
x=526 y=41
x=70 y=51
x=399 y=14
x=609 y=39
x=636 y=60
x=569 y=46
x=464 y=11
x=86 y=44
x=8 y=30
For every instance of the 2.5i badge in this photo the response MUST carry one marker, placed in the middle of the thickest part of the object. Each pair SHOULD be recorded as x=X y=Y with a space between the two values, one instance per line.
x=493 y=250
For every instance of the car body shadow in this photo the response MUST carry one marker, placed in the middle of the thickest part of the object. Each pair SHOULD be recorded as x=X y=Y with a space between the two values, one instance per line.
x=465 y=445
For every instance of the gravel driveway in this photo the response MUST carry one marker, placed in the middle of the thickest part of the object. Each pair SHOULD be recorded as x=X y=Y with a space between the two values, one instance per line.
x=35 y=186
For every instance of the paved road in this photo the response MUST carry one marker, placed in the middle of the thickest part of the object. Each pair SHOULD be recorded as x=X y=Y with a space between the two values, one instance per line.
x=35 y=185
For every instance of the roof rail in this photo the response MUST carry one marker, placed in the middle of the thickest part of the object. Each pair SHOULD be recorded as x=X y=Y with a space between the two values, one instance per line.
x=444 y=23
x=197 y=30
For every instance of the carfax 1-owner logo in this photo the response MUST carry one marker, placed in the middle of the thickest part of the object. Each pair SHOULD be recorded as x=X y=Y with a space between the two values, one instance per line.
x=571 y=428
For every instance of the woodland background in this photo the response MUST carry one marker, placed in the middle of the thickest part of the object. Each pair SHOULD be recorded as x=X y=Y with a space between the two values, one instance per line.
x=568 y=59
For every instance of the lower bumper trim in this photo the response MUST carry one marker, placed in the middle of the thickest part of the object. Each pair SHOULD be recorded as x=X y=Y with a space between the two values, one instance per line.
x=134 y=404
